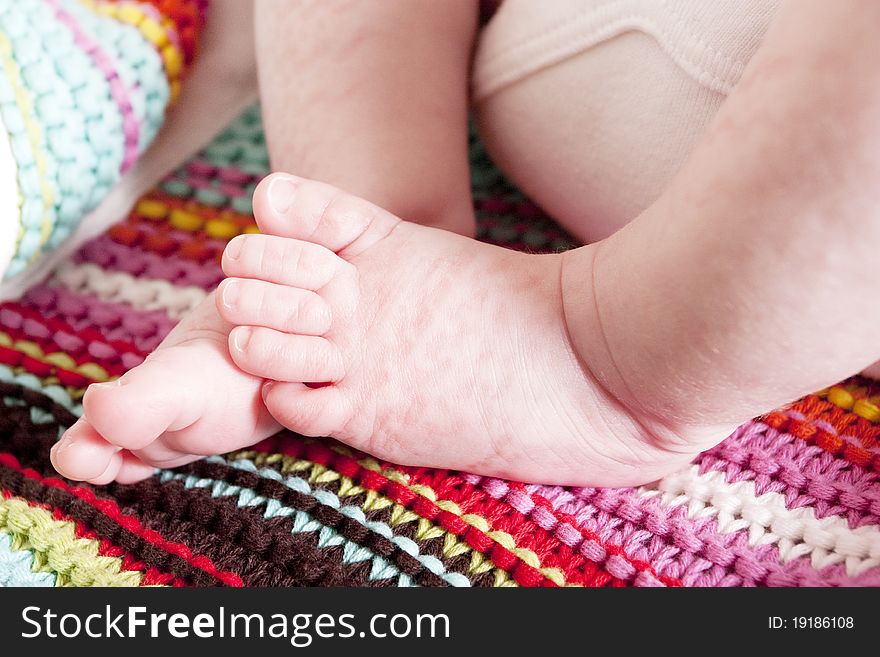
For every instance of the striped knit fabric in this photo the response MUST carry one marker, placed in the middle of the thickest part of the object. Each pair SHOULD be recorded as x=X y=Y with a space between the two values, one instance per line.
x=84 y=86
x=790 y=499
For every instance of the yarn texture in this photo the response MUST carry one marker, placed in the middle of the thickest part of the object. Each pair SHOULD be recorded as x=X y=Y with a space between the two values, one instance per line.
x=789 y=499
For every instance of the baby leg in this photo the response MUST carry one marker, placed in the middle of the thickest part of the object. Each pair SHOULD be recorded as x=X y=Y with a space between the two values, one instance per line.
x=372 y=97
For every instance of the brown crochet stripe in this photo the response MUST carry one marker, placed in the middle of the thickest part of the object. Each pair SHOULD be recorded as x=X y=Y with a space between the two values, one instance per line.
x=433 y=546
x=264 y=552
x=328 y=516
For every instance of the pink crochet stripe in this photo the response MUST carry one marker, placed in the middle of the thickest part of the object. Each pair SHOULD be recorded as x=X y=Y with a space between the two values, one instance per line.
x=692 y=551
x=130 y=125
x=804 y=474
x=110 y=255
x=116 y=321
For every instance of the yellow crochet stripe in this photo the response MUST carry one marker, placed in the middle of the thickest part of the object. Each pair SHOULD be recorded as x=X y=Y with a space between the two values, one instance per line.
x=91 y=371
x=852 y=398
x=58 y=549
x=426 y=530
x=555 y=575
x=152 y=30
x=225 y=226
x=35 y=138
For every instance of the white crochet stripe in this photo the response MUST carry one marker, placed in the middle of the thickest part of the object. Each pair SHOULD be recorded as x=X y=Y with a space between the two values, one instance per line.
x=140 y=293
x=796 y=532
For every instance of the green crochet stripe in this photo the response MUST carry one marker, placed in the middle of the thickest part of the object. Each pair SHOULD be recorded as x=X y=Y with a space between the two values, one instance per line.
x=17 y=567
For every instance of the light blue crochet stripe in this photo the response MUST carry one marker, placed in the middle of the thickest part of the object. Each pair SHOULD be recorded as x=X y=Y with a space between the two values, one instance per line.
x=305 y=522
x=16 y=567
x=56 y=393
x=137 y=62
x=16 y=28
x=90 y=145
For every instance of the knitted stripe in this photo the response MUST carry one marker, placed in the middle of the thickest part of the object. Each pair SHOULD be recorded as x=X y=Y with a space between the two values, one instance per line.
x=500 y=547
x=767 y=520
x=136 y=65
x=275 y=551
x=141 y=293
x=108 y=254
x=57 y=549
x=16 y=350
x=37 y=394
x=324 y=505
x=104 y=63
x=11 y=197
x=17 y=567
x=54 y=334
x=38 y=196
x=116 y=321
x=299 y=497
x=805 y=474
x=187 y=16
x=850 y=396
x=433 y=539
x=690 y=550
x=565 y=529
x=516 y=531
x=148 y=576
x=84 y=505
x=157 y=30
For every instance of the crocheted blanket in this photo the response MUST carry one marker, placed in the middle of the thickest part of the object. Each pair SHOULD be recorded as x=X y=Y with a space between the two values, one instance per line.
x=790 y=499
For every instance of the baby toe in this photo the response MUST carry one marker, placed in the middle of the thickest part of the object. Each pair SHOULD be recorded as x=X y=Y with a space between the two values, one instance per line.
x=154 y=397
x=309 y=411
x=82 y=454
x=281 y=260
x=279 y=307
x=133 y=470
x=270 y=354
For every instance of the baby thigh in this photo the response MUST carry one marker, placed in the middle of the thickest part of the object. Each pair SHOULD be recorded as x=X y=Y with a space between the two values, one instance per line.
x=592 y=106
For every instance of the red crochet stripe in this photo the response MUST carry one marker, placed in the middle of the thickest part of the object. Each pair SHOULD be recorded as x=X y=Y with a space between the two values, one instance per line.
x=845 y=423
x=152 y=576
x=114 y=365
x=525 y=531
x=109 y=508
x=522 y=573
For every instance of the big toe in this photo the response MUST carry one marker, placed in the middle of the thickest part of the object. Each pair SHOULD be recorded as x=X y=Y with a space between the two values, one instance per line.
x=288 y=206
x=151 y=399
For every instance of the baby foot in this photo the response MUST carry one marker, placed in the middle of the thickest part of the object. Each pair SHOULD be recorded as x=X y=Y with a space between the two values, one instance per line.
x=432 y=349
x=185 y=401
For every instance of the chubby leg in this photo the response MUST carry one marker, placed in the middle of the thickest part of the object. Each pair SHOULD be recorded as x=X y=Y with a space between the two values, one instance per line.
x=372 y=97
x=748 y=283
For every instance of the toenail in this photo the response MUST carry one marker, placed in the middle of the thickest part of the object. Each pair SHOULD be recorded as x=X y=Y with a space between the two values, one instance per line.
x=233 y=249
x=241 y=337
x=281 y=191
x=231 y=292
